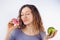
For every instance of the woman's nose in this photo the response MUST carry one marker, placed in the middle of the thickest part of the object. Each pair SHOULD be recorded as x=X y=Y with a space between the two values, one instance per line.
x=25 y=16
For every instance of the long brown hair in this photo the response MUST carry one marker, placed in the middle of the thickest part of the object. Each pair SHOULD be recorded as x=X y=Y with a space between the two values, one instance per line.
x=37 y=21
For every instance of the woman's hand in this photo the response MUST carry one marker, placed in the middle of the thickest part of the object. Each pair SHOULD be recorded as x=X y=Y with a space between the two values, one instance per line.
x=52 y=35
x=13 y=24
x=46 y=37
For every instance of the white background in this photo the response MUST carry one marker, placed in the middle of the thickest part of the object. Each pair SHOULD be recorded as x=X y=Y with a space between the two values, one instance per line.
x=49 y=11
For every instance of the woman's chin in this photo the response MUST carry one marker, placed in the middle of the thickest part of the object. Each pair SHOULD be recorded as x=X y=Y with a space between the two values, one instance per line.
x=26 y=23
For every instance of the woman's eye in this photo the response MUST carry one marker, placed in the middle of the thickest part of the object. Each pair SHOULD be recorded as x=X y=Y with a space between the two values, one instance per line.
x=27 y=14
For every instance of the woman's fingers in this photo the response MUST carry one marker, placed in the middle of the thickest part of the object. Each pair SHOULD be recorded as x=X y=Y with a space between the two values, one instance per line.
x=13 y=22
x=53 y=34
x=10 y=24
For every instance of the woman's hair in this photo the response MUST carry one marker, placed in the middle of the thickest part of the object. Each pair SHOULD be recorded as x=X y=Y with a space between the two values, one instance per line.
x=37 y=21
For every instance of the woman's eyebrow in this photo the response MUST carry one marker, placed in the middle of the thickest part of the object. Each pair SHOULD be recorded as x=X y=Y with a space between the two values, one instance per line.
x=26 y=12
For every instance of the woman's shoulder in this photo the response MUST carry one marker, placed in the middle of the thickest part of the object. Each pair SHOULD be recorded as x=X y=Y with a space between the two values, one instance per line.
x=43 y=34
x=15 y=31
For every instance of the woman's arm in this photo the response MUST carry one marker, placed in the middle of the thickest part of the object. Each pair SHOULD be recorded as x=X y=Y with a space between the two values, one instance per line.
x=10 y=28
x=45 y=38
x=8 y=33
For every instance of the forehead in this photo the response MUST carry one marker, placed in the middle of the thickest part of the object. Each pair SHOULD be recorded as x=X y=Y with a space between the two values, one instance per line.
x=26 y=9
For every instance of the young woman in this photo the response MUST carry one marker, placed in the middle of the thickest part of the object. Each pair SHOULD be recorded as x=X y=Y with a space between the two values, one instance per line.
x=30 y=26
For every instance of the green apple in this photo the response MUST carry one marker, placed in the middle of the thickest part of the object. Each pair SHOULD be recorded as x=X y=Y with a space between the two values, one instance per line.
x=50 y=30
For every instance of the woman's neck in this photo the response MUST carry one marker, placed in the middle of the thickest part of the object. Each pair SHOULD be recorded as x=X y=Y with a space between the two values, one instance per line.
x=30 y=29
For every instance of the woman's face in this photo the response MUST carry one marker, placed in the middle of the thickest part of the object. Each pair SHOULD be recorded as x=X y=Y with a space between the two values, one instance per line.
x=26 y=16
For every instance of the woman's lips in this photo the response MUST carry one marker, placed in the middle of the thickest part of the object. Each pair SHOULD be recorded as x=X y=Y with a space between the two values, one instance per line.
x=25 y=20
